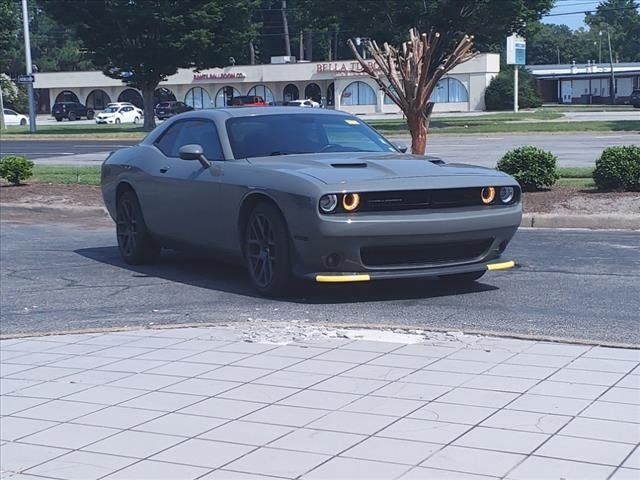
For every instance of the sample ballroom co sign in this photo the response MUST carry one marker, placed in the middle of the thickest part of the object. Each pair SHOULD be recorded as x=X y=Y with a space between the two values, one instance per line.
x=219 y=76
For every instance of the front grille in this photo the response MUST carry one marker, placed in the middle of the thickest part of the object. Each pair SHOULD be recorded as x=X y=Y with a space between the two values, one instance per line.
x=420 y=199
x=424 y=254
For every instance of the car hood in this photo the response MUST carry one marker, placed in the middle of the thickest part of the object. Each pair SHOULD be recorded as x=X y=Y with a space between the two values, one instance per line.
x=337 y=168
x=106 y=115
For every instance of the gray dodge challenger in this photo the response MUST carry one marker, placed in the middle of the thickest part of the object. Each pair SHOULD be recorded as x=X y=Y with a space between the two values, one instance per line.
x=306 y=194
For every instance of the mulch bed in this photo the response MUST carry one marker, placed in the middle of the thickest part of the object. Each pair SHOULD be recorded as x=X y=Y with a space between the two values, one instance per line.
x=559 y=199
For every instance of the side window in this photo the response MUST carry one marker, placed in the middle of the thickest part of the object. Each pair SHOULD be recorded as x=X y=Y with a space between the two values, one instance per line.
x=201 y=132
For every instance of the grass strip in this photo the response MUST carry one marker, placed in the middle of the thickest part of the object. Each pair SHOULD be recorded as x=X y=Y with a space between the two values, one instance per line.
x=66 y=174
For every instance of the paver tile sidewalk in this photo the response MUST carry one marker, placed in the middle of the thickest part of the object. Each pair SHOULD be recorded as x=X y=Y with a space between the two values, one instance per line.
x=206 y=403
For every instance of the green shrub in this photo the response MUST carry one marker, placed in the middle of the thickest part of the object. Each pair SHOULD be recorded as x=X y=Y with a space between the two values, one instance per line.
x=532 y=167
x=15 y=169
x=618 y=168
x=499 y=93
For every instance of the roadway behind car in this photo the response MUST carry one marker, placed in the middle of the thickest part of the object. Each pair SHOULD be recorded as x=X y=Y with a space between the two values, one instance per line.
x=572 y=149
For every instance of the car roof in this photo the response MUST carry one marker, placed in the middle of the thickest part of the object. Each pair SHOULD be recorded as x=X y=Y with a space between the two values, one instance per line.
x=259 y=111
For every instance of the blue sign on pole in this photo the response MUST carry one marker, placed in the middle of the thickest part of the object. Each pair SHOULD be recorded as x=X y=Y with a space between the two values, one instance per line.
x=516 y=50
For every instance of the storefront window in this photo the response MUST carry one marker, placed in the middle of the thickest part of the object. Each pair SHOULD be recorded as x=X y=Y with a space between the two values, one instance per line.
x=262 y=91
x=67 y=96
x=313 y=92
x=198 y=98
x=331 y=94
x=225 y=96
x=132 y=96
x=290 y=93
x=98 y=99
x=358 y=93
x=450 y=90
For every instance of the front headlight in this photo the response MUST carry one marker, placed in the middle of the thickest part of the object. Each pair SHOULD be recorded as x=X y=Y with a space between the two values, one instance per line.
x=328 y=203
x=350 y=201
x=488 y=195
x=507 y=194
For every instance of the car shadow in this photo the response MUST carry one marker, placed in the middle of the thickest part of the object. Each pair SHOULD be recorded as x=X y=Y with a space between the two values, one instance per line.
x=213 y=274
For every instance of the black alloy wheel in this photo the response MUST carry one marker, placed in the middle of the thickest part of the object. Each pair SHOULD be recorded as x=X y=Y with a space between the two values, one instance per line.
x=137 y=246
x=266 y=245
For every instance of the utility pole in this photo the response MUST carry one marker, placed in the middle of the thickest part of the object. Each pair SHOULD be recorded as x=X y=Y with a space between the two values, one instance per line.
x=285 y=26
x=600 y=47
x=27 y=54
x=2 y=125
x=515 y=88
x=558 y=51
x=612 y=87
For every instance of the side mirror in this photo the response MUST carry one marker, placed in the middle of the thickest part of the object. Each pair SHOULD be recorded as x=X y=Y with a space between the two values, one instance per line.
x=193 y=152
x=402 y=147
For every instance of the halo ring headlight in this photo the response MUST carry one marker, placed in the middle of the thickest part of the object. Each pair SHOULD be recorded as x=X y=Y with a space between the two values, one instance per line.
x=507 y=194
x=328 y=203
x=488 y=195
x=350 y=201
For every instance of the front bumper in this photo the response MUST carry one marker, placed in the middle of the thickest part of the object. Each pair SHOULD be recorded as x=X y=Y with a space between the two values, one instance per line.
x=105 y=121
x=345 y=277
x=404 y=245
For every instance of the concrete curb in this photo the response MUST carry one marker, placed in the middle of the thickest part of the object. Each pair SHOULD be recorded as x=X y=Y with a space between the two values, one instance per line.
x=58 y=209
x=589 y=221
x=535 y=220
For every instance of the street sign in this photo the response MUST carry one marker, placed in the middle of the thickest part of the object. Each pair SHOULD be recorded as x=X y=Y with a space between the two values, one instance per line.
x=516 y=50
x=26 y=78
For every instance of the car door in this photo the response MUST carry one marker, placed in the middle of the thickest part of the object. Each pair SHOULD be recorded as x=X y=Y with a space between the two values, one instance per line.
x=128 y=114
x=183 y=192
x=11 y=117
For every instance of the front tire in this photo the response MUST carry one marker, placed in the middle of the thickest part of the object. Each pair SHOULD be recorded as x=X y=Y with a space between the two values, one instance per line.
x=463 y=278
x=117 y=122
x=72 y=116
x=58 y=119
x=136 y=120
x=137 y=245
x=266 y=247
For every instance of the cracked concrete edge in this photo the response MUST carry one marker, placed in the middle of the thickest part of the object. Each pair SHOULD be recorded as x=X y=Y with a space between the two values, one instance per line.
x=338 y=325
x=59 y=209
x=583 y=221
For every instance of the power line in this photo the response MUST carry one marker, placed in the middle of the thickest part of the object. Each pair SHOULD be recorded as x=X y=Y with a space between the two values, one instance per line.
x=602 y=10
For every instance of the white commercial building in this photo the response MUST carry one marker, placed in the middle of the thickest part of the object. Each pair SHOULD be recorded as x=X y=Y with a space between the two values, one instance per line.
x=340 y=85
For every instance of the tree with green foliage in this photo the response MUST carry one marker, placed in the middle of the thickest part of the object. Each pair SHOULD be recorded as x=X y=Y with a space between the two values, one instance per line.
x=9 y=26
x=621 y=18
x=499 y=93
x=143 y=42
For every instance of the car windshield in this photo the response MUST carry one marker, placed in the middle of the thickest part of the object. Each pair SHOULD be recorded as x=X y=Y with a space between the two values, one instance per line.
x=164 y=104
x=269 y=135
x=111 y=109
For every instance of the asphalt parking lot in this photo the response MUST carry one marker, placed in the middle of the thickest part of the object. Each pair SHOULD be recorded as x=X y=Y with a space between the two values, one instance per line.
x=68 y=275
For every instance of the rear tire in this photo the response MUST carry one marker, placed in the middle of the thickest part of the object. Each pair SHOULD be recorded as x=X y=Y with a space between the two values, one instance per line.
x=463 y=277
x=266 y=247
x=72 y=116
x=58 y=119
x=23 y=122
x=136 y=120
x=137 y=245
x=90 y=114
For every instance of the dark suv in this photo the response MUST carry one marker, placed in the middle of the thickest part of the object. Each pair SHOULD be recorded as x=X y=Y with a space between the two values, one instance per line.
x=168 y=109
x=71 y=111
x=635 y=99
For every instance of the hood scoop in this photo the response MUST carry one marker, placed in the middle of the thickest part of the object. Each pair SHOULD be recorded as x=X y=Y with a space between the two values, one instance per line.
x=350 y=165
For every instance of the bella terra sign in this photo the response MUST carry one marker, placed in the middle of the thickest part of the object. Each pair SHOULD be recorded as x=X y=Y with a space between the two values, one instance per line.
x=219 y=76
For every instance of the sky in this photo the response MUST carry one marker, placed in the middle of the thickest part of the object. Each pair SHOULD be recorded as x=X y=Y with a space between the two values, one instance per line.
x=575 y=20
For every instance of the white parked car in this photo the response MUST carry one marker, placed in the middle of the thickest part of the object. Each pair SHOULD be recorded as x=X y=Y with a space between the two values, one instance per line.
x=117 y=115
x=14 y=118
x=303 y=103
x=126 y=104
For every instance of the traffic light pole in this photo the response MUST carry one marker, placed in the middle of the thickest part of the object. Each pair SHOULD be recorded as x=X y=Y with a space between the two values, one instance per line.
x=27 y=54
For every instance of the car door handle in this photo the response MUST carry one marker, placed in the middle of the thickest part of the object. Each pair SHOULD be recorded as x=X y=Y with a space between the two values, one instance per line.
x=164 y=170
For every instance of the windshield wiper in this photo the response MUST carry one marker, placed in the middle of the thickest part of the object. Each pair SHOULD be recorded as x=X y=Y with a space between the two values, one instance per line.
x=274 y=154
